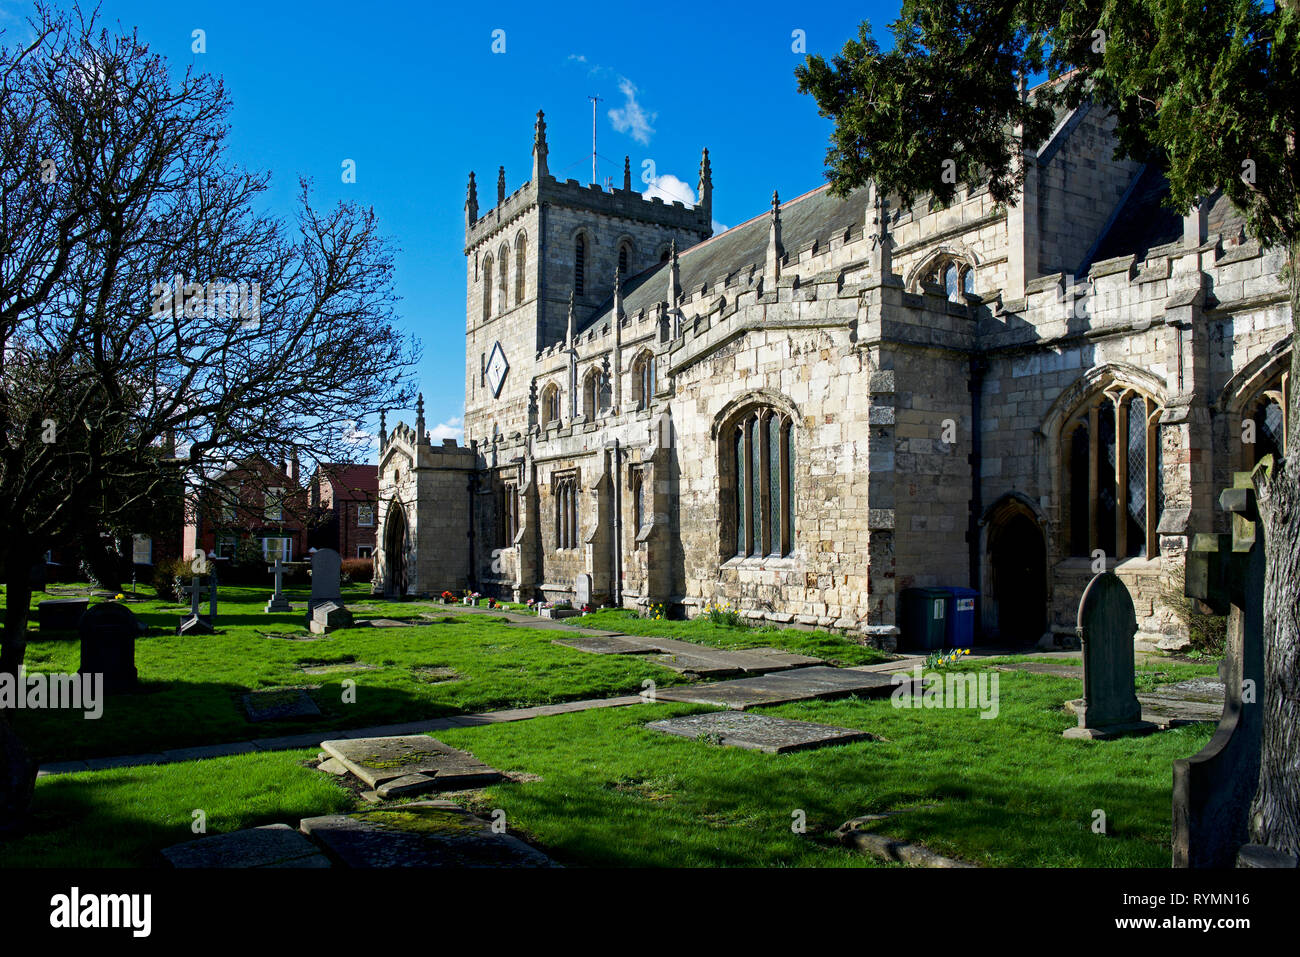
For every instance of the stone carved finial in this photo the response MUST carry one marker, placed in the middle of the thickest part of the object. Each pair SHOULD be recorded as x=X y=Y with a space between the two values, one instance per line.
x=501 y=185
x=420 y=437
x=471 y=202
x=539 y=148
x=674 y=283
x=383 y=427
x=774 y=248
x=627 y=173
x=706 y=184
x=568 y=336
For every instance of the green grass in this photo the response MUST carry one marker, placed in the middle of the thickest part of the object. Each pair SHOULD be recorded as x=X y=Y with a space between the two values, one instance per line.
x=832 y=649
x=122 y=818
x=192 y=687
x=1153 y=671
x=1008 y=791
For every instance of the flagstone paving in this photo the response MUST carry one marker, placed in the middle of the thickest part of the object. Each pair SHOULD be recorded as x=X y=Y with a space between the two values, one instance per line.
x=799 y=684
x=755 y=732
x=410 y=764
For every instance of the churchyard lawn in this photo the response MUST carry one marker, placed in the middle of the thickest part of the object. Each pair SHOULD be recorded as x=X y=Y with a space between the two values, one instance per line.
x=598 y=788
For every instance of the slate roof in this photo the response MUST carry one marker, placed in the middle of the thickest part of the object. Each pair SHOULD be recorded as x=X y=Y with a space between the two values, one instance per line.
x=815 y=215
x=1145 y=222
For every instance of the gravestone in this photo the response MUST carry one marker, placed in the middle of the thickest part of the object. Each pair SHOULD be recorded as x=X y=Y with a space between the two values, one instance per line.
x=108 y=633
x=60 y=614
x=1106 y=626
x=1214 y=788
x=329 y=616
x=38 y=576
x=212 y=591
x=755 y=732
x=278 y=602
x=271 y=845
x=194 y=623
x=326 y=571
x=582 y=590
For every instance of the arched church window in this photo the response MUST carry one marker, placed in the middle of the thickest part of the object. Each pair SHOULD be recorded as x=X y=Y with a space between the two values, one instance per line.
x=643 y=380
x=521 y=271
x=1262 y=431
x=624 y=252
x=503 y=285
x=952 y=281
x=1113 y=471
x=759 y=467
x=487 y=288
x=566 y=511
x=593 y=394
x=955 y=276
x=579 y=265
x=550 y=404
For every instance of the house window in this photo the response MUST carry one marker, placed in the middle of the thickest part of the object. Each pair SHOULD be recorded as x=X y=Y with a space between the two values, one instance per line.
x=579 y=265
x=759 y=468
x=487 y=288
x=366 y=515
x=566 y=511
x=273 y=548
x=228 y=516
x=521 y=259
x=507 y=515
x=1114 y=475
x=141 y=550
x=274 y=502
x=226 y=546
x=550 y=404
x=365 y=551
x=643 y=380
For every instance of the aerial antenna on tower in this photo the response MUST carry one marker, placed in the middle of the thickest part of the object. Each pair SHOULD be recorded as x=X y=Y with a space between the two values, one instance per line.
x=594 y=101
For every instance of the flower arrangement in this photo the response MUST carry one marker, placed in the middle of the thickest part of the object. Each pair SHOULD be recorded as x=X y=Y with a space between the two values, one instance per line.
x=448 y=598
x=492 y=602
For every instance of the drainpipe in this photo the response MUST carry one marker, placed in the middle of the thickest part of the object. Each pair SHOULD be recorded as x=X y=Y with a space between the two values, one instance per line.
x=618 y=526
x=473 y=571
x=978 y=366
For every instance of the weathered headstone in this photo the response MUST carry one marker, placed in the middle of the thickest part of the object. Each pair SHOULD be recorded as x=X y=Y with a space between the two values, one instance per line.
x=278 y=602
x=582 y=590
x=1214 y=788
x=271 y=845
x=108 y=633
x=329 y=616
x=194 y=623
x=60 y=614
x=755 y=732
x=326 y=572
x=1106 y=626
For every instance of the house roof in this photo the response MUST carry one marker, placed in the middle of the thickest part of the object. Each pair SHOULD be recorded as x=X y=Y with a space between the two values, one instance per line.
x=349 y=482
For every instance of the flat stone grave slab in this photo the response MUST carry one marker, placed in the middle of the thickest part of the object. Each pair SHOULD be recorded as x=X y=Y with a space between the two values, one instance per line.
x=607 y=644
x=273 y=845
x=799 y=684
x=396 y=623
x=421 y=834
x=786 y=659
x=275 y=703
x=413 y=763
x=758 y=732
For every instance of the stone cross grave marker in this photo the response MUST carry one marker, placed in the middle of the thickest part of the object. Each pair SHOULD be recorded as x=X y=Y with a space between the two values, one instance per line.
x=193 y=622
x=1106 y=626
x=278 y=602
x=326 y=571
x=1214 y=789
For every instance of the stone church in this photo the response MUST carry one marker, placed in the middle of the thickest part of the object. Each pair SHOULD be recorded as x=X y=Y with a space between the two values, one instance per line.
x=841 y=399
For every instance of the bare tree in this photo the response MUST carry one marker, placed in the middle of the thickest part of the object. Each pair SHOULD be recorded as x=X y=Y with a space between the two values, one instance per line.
x=145 y=302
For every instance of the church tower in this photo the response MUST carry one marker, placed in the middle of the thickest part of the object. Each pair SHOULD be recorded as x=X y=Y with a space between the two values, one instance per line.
x=545 y=244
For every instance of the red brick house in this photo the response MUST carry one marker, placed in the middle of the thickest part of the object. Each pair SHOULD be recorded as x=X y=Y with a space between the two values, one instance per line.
x=258 y=508
x=344 y=504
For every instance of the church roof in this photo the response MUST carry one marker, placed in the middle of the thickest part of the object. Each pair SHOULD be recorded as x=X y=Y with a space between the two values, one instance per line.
x=816 y=215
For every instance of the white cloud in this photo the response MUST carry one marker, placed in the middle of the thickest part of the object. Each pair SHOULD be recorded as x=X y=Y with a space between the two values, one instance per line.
x=719 y=227
x=453 y=428
x=577 y=57
x=631 y=118
x=670 y=189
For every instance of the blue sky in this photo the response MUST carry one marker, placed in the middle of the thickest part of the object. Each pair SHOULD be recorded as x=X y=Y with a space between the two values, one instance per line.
x=415 y=95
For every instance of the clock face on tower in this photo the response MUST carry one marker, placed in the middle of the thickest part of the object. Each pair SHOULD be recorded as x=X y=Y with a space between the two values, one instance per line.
x=496 y=369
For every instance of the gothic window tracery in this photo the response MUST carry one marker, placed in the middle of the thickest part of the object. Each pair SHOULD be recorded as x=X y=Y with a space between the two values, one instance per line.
x=550 y=404
x=579 y=265
x=521 y=271
x=759 y=465
x=643 y=380
x=487 y=288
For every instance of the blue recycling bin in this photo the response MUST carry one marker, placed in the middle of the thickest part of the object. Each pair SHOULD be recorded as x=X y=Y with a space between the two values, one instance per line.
x=960 y=627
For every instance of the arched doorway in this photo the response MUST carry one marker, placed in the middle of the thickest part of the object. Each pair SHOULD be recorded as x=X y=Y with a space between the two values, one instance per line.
x=1018 y=572
x=396 y=536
